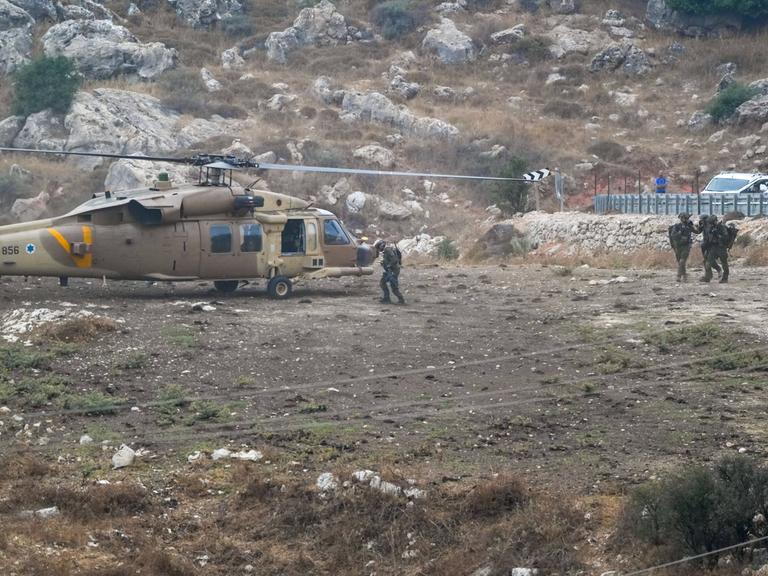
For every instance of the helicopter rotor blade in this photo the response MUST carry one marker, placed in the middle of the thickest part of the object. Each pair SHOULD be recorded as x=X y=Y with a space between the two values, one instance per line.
x=240 y=163
x=98 y=155
x=328 y=170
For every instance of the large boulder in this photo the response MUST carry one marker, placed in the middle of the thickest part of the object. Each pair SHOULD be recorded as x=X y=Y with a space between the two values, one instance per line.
x=375 y=154
x=567 y=41
x=10 y=128
x=752 y=112
x=326 y=92
x=393 y=211
x=38 y=9
x=631 y=59
x=377 y=108
x=206 y=13
x=116 y=122
x=320 y=25
x=661 y=17
x=15 y=49
x=26 y=209
x=420 y=245
x=449 y=44
x=564 y=6
x=42 y=130
x=129 y=174
x=102 y=50
x=11 y=16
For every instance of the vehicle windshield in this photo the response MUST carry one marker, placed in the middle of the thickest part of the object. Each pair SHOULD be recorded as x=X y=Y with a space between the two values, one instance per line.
x=726 y=184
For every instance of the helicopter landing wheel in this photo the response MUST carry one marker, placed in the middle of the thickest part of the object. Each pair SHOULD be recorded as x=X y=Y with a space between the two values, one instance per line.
x=279 y=288
x=226 y=285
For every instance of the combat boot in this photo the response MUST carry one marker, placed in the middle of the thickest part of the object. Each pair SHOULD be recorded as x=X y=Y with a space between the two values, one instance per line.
x=385 y=300
x=400 y=300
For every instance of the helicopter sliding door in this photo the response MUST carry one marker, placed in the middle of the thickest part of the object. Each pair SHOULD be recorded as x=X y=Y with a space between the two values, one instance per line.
x=231 y=250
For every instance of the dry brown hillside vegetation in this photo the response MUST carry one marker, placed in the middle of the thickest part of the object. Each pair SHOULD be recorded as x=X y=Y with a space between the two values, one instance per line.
x=516 y=94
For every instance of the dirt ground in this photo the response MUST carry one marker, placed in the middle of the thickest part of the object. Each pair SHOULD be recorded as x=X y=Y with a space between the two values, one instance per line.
x=582 y=381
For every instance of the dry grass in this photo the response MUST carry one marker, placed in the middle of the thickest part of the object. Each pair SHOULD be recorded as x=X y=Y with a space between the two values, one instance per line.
x=76 y=329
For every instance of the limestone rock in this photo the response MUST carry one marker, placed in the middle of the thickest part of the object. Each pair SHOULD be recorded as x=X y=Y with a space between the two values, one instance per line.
x=11 y=16
x=509 y=35
x=401 y=86
x=449 y=44
x=375 y=107
x=320 y=25
x=392 y=211
x=636 y=62
x=75 y=12
x=375 y=154
x=324 y=91
x=566 y=41
x=753 y=111
x=206 y=13
x=102 y=50
x=27 y=209
x=279 y=102
x=127 y=174
x=123 y=457
x=133 y=10
x=10 y=128
x=761 y=86
x=115 y=121
x=211 y=84
x=231 y=58
x=564 y=6
x=420 y=245
x=15 y=49
x=42 y=130
x=698 y=121
x=39 y=9
x=355 y=202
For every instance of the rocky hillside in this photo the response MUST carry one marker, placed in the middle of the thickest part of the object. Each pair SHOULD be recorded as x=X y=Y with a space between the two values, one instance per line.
x=601 y=88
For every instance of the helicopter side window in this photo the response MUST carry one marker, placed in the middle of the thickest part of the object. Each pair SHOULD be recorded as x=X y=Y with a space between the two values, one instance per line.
x=221 y=238
x=250 y=238
x=311 y=236
x=333 y=233
x=293 y=237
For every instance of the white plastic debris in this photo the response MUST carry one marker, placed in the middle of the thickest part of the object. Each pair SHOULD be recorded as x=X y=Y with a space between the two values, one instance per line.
x=221 y=453
x=327 y=481
x=363 y=475
x=194 y=456
x=252 y=455
x=123 y=457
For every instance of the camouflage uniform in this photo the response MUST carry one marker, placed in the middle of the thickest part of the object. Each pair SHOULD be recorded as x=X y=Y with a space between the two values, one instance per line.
x=681 y=238
x=706 y=228
x=390 y=262
x=716 y=238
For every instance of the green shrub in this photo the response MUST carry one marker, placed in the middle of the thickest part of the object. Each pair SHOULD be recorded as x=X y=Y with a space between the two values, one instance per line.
x=532 y=48
x=752 y=9
x=447 y=250
x=45 y=83
x=512 y=197
x=725 y=103
x=396 y=18
x=700 y=509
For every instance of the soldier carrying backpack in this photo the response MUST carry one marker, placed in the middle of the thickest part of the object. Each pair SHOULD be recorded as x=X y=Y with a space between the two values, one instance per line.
x=681 y=238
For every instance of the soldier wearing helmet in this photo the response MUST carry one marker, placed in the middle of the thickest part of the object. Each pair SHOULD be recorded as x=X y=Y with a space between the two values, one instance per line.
x=391 y=260
x=706 y=228
x=681 y=239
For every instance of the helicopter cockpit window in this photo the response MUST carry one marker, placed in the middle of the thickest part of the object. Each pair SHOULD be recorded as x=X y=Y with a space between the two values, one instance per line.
x=221 y=238
x=333 y=233
x=293 y=237
x=250 y=238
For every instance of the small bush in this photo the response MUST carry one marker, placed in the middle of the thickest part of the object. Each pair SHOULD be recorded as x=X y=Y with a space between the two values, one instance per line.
x=531 y=48
x=563 y=109
x=512 y=197
x=725 y=103
x=495 y=497
x=447 y=250
x=396 y=18
x=93 y=403
x=700 y=509
x=236 y=26
x=76 y=329
x=45 y=83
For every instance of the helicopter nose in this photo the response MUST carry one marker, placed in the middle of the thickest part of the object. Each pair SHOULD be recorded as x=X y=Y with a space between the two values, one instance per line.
x=365 y=255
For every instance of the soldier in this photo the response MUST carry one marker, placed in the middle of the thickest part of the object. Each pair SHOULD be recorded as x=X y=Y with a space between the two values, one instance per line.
x=681 y=238
x=705 y=228
x=391 y=260
x=717 y=237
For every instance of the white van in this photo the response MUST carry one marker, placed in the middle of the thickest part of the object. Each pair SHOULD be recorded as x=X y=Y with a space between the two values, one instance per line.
x=737 y=183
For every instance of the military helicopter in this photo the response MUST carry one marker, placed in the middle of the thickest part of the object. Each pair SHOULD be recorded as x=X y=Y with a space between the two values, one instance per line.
x=214 y=229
